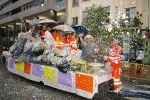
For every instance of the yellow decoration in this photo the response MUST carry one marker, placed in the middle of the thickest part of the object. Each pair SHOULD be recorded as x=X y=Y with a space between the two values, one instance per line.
x=50 y=74
x=19 y=66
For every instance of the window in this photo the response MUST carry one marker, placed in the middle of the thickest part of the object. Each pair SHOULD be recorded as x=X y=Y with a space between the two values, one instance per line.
x=84 y=14
x=75 y=3
x=131 y=12
x=75 y=20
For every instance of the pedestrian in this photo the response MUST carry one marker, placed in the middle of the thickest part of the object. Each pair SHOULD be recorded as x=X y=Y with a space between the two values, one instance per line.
x=140 y=57
x=115 y=55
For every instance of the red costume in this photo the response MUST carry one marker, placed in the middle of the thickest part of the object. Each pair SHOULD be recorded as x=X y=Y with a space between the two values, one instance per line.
x=115 y=64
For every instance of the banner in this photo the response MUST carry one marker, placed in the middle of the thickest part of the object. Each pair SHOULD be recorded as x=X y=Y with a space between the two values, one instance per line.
x=84 y=82
x=27 y=68
x=20 y=66
x=36 y=70
x=65 y=79
x=50 y=74
x=11 y=63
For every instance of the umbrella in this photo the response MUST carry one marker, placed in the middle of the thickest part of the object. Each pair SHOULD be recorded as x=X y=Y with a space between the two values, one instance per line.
x=34 y=21
x=64 y=28
x=79 y=29
x=48 y=21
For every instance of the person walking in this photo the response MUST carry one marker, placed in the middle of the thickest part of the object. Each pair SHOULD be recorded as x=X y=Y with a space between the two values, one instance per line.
x=115 y=55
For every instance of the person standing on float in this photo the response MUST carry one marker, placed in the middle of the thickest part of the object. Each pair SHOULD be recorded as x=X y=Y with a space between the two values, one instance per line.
x=60 y=40
x=73 y=43
x=115 y=55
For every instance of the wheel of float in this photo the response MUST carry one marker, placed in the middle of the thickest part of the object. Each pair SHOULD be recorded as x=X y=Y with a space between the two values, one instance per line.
x=102 y=91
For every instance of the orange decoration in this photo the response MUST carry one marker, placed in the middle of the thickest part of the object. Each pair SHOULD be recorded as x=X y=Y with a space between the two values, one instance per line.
x=27 y=68
x=84 y=82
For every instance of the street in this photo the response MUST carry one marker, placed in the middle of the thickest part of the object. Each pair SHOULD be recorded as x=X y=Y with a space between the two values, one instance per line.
x=15 y=87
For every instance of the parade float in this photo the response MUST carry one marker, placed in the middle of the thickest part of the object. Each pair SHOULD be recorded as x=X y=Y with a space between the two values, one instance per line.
x=36 y=61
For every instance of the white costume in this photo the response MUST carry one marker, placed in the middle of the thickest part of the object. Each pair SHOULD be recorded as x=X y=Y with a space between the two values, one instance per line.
x=49 y=38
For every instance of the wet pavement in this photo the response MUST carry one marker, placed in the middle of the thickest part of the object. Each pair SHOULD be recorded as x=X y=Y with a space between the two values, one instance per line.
x=15 y=87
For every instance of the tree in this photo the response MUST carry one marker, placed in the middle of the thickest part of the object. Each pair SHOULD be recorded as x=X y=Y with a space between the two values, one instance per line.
x=97 y=19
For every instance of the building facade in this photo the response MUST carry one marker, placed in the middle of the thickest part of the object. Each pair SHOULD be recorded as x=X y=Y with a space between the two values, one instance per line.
x=11 y=11
x=77 y=9
x=116 y=8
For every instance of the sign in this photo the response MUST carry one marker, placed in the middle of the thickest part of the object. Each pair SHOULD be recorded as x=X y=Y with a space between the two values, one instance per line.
x=126 y=48
x=19 y=66
x=27 y=68
x=65 y=79
x=36 y=70
x=84 y=82
x=11 y=63
x=50 y=74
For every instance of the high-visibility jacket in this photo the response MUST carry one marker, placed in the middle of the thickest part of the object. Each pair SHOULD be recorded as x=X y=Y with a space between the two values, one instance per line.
x=115 y=64
x=67 y=41
x=73 y=44
x=42 y=34
x=54 y=36
x=59 y=42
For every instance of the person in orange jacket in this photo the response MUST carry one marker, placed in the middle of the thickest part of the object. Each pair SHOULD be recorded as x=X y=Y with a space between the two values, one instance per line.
x=115 y=55
x=54 y=33
x=67 y=39
x=42 y=32
x=60 y=40
x=73 y=42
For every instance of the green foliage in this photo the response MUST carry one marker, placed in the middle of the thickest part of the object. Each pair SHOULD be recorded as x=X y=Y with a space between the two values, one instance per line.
x=95 y=22
x=95 y=19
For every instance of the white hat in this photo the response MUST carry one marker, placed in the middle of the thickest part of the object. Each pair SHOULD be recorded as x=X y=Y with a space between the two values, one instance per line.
x=88 y=36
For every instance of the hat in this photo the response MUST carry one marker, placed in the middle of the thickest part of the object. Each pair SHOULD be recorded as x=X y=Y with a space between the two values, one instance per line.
x=88 y=36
